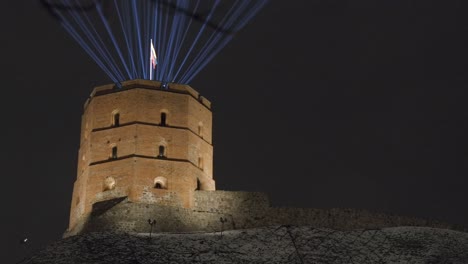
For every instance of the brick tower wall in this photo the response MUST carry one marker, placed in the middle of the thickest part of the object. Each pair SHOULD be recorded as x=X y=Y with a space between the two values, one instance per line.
x=121 y=139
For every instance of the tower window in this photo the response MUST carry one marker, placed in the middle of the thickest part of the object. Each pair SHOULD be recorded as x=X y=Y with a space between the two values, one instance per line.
x=109 y=184
x=198 y=185
x=200 y=163
x=162 y=152
x=86 y=131
x=163 y=119
x=160 y=183
x=200 y=130
x=116 y=120
x=114 y=152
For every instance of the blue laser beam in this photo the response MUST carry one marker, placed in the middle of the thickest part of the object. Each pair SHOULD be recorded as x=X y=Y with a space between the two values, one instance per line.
x=186 y=39
x=218 y=43
x=87 y=49
x=211 y=43
x=197 y=38
x=127 y=41
x=114 y=41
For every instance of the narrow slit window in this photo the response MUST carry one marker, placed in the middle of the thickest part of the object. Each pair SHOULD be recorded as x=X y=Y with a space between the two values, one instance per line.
x=198 y=185
x=116 y=120
x=163 y=119
x=162 y=152
x=200 y=163
x=200 y=130
x=114 y=152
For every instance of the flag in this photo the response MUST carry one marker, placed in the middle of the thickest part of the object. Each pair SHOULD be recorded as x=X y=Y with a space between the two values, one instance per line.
x=154 y=57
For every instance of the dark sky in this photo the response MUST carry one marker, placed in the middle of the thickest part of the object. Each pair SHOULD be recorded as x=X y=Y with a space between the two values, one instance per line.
x=322 y=103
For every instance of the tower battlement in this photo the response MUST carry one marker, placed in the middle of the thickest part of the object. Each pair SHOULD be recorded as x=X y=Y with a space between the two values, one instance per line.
x=147 y=141
x=152 y=85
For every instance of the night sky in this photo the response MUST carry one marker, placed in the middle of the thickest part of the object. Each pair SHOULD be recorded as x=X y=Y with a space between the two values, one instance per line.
x=351 y=104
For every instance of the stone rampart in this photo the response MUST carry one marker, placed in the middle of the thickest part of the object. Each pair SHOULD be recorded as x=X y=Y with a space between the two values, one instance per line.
x=226 y=201
x=344 y=219
x=241 y=210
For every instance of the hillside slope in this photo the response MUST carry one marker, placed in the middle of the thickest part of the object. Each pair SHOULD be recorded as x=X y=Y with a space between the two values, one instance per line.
x=280 y=244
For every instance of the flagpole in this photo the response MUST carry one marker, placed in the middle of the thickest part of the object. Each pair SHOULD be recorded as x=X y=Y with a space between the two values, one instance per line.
x=151 y=62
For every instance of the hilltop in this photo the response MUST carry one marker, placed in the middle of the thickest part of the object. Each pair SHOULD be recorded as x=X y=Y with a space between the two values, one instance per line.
x=279 y=244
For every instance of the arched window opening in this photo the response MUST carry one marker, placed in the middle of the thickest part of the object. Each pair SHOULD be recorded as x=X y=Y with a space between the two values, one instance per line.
x=162 y=152
x=109 y=184
x=160 y=183
x=114 y=152
x=116 y=119
x=163 y=119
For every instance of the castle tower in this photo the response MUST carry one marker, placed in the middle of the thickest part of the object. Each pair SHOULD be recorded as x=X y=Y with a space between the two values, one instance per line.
x=145 y=141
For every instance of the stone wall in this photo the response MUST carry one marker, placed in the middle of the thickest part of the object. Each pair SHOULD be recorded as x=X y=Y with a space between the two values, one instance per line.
x=131 y=217
x=242 y=210
x=226 y=201
x=344 y=219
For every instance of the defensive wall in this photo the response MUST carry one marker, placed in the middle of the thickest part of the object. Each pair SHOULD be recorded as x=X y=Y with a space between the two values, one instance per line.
x=239 y=210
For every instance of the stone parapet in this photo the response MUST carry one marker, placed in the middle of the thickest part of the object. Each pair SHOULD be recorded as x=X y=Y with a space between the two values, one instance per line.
x=147 y=84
